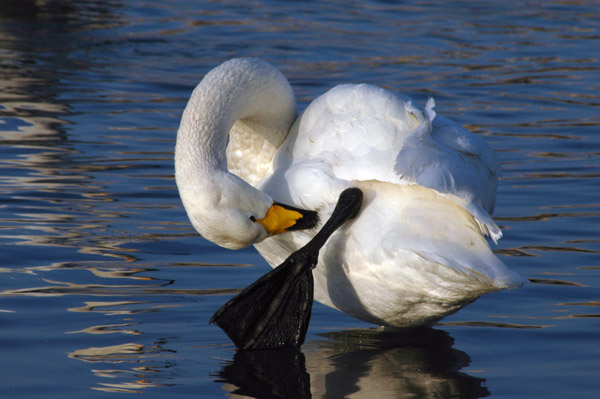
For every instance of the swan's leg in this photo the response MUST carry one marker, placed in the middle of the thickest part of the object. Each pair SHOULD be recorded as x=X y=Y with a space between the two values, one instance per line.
x=274 y=311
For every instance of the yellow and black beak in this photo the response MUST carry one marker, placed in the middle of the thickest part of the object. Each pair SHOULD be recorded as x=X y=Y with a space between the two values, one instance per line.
x=281 y=218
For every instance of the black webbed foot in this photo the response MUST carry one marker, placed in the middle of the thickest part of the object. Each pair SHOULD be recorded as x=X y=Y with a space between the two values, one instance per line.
x=274 y=311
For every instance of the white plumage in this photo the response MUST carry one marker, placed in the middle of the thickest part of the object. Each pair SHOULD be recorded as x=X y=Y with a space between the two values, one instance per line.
x=415 y=253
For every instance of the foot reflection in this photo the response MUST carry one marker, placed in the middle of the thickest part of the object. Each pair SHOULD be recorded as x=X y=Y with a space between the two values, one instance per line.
x=366 y=363
x=269 y=374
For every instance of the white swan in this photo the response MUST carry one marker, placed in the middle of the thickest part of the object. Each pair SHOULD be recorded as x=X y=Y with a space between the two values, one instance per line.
x=415 y=253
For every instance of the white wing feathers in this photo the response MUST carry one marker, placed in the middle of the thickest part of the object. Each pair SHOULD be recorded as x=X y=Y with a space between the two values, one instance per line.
x=440 y=154
x=363 y=132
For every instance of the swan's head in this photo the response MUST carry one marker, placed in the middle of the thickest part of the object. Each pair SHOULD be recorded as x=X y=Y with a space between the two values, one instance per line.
x=234 y=215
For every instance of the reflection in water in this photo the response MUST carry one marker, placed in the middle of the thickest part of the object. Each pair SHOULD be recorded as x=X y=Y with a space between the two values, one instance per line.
x=57 y=173
x=268 y=374
x=64 y=288
x=125 y=353
x=365 y=363
x=52 y=200
x=114 y=353
x=108 y=308
x=132 y=366
x=108 y=329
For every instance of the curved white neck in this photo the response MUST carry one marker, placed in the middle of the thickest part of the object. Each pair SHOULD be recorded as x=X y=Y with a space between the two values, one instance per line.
x=245 y=100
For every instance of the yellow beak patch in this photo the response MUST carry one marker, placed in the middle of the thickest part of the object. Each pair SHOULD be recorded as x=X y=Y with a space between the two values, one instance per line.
x=281 y=218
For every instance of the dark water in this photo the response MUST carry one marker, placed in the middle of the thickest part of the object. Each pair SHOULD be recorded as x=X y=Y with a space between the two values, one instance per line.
x=106 y=290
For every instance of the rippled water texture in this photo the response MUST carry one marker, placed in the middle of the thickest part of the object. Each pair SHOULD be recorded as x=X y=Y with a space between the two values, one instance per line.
x=105 y=288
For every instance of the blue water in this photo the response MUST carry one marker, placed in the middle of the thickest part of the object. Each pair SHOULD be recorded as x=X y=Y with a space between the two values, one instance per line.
x=105 y=288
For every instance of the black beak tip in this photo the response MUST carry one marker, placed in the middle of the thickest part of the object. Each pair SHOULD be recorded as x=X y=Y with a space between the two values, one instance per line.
x=309 y=220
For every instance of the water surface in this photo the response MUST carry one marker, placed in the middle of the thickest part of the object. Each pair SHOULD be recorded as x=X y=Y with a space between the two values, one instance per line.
x=106 y=289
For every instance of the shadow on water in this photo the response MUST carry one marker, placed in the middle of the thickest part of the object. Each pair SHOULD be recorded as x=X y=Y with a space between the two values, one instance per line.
x=364 y=363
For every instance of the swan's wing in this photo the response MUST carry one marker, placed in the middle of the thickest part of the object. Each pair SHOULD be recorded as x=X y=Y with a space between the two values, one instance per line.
x=442 y=155
x=364 y=132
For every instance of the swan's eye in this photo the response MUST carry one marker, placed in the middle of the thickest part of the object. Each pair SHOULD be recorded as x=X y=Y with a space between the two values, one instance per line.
x=252 y=218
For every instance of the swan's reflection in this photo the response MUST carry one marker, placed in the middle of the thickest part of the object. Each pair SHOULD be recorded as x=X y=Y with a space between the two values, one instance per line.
x=366 y=363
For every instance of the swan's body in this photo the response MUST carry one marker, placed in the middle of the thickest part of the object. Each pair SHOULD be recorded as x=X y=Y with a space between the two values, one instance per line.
x=415 y=253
